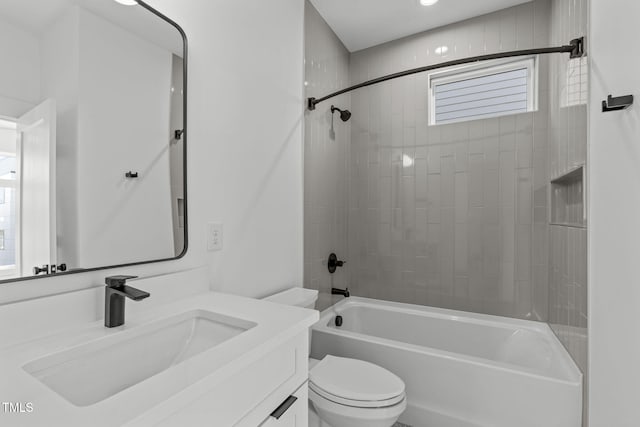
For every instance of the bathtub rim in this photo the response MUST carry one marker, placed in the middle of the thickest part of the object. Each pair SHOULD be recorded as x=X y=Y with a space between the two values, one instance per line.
x=573 y=377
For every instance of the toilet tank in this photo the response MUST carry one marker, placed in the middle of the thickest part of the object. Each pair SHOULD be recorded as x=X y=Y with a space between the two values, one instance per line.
x=299 y=297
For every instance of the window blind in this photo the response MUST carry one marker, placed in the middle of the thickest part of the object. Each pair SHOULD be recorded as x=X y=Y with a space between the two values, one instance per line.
x=492 y=94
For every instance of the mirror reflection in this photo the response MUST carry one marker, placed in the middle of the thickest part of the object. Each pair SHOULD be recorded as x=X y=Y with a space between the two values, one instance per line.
x=91 y=136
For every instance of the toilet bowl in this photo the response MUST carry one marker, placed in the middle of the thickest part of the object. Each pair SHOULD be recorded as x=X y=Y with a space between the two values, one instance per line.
x=348 y=392
x=354 y=393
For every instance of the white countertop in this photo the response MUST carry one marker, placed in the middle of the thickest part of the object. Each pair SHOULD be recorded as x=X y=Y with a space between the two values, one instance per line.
x=162 y=394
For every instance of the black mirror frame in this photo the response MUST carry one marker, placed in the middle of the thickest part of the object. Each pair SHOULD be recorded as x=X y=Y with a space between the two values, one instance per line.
x=184 y=169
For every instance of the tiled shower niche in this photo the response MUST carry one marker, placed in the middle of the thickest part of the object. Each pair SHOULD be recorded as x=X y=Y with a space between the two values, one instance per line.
x=568 y=199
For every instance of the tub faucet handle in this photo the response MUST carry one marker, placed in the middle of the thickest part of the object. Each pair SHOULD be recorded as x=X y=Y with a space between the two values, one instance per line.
x=334 y=263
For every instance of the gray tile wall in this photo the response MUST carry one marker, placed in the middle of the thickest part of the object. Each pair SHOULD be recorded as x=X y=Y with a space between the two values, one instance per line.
x=567 y=298
x=456 y=215
x=452 y=215
x=326 y=154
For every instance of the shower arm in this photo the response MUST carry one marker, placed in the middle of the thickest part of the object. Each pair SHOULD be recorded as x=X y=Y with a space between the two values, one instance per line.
x=575 y=48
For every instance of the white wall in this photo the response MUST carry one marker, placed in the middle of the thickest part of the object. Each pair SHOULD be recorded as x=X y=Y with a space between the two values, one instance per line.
x=20 y=73
x=96 y=72
x=245 y=148
x=614 y=239
x=246 y=69
x=123 y=117
x=60 y=59
x=176 y=152
x=7 y=140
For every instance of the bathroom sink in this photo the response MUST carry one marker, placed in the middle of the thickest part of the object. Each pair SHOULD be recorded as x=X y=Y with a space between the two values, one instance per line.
x=92 y=372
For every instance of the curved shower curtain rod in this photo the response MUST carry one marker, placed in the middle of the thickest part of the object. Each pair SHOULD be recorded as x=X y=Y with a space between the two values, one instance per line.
x=575 y=48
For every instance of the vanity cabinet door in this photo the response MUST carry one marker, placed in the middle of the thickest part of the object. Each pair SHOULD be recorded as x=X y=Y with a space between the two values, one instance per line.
x=295 y=415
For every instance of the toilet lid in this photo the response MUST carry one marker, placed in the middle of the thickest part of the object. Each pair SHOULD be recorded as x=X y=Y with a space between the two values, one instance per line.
x=358 y=382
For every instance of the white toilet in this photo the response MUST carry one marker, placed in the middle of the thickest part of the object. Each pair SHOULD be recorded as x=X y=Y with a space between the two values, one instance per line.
x=348 y=392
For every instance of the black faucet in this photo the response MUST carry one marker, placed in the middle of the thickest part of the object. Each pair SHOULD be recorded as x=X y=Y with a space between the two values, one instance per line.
x=344 y=292
x=334 y=263
x=114 y=294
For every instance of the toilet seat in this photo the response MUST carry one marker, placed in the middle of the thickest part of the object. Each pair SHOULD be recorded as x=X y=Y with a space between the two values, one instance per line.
x=355 y=383
x=370 y=417
x=355 y=403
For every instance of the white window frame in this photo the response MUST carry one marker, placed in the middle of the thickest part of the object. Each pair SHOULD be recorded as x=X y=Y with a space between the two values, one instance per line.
x=575 y=88
x=465 y=72
x=10 y=271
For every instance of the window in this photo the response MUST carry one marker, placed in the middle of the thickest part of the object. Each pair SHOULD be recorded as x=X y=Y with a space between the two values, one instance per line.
x=8 y=192
x=481 y=91
x=575 y=89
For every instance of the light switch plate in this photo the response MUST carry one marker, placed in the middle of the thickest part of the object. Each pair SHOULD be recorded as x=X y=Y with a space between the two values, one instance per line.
x=214 y=236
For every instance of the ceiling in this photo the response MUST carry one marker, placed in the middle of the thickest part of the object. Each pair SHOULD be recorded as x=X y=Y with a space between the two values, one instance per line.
x=364 y=23
x=35 y=16
x=32 y=15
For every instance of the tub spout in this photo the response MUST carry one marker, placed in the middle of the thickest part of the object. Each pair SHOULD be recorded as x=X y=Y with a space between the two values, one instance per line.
x=344 y=292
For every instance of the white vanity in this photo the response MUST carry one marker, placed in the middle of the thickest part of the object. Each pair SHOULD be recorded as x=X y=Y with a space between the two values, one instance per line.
x=209 y=359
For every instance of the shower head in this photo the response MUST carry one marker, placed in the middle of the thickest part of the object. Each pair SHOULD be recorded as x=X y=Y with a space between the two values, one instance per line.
x=345 y=115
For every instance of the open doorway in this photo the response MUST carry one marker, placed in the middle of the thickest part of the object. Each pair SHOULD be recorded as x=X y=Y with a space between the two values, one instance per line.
x=8 y=187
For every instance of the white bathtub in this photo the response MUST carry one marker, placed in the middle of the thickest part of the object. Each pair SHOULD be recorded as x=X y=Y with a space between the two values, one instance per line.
x=460 y=369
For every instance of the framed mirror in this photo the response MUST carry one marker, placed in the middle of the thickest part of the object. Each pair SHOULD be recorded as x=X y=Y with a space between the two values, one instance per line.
x=92 y=136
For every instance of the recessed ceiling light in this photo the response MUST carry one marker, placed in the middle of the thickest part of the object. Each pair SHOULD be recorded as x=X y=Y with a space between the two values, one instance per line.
x=130 y=2
x=428 y=2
